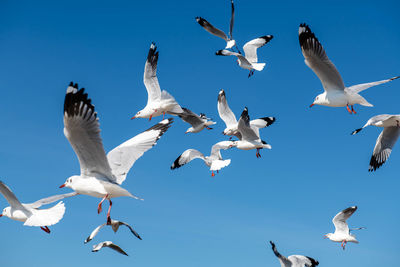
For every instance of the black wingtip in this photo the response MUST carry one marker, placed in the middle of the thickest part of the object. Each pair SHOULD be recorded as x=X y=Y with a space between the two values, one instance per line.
x=201 y=21
x=267 y=38
x=219 y=53
x=374 y=164
x=313 y=262
x=176 y=164
x=305 y=35
x=71 y=83
x=356 y=131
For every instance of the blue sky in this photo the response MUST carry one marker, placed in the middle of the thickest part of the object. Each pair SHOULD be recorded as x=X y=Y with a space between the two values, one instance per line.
x=315 y=167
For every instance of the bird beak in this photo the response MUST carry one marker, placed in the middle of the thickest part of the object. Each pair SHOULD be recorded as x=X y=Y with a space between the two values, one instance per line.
x=134 y=117
x=61 y=186
x=1 y=215
x=312 y=105
x=325 y=236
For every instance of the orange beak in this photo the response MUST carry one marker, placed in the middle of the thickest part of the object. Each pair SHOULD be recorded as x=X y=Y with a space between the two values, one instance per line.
x=134 y=117
x=61 y=186
x=325 y=236
x=312 y=105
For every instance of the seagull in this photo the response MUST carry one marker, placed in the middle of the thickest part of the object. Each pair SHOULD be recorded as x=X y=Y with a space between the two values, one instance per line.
x=342 y=231
x=250 y=136
x=101 y=175
x=230 y=42
x=386 y=140
x=30 y=213
x=336 y=93
x=214 y=161
x=158 y=102
x=108 y=244
x=294 y=260
x=198 y=122
x=115 y=224
x=249 y=61
x=229 y=118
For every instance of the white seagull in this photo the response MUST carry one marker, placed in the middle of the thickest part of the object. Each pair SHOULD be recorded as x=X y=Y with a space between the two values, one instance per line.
x=214 y=161
x=386 y=140
x=198 y=122
x=101 y=174
x=230 y=42
x=108 y=244
x=229 y=118
x=250 y=136
x=158 y=102
x=30 y=213
x=336 y=93
x=249 y=61
x=294 y=260
x=342 y=231
x=115 y=224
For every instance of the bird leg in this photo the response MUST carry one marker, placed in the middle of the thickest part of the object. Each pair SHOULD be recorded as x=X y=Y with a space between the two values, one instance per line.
x=212 y=174
x=217 y=171
x=45 y=228
x=258 y=155
x=208 y=128
x=163 y=115
x=99 y=209
x=230 y=138
x=352 y=110
x=343 y=245
x=251 y=73
x=348 y=109
x=108 y=213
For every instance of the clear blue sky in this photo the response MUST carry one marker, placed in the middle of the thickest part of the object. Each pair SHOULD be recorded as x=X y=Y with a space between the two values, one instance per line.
x=314 y=170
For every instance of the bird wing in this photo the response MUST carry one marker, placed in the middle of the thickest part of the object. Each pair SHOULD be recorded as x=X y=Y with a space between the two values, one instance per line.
x=110 y=245
x=94 y=233
x=46 y=217
x=316 y=58
x=82 y=129
x=186 y=157
x=124 y=156
x=48 y=200
x=340 y=220
x=211 y=29
x=131 y=229
x=232 y=20
x=224 y=110
x=150 y=75
x=10 y=197
x=262 y=122
x=191 y=117
x=215 y=149
x=248 y=133
x=355 y=89
x=282 y=259
x=383 y=147
x=250 y=48
x=300 y=261
x=116 y=248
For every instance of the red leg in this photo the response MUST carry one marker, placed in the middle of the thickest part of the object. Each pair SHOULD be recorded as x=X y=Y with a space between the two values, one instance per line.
x=348 y=109
x=212 y=174
x=45 y=228
x=109 y=210
x=352 y=109
x=99 y=209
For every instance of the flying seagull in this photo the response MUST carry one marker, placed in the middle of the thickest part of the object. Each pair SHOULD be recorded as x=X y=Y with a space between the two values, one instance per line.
x=108 y=244
x=101 y=174
x=158 y=102
x=214 y=161
x=342 y=231
x=115 y=224
x=250 y=136
x=229 y=118
x=336 y=93
x=198 y=122
x=294 y=260
x=249 y=61
x=30 y=213
x=386 y=140
x=230 y=42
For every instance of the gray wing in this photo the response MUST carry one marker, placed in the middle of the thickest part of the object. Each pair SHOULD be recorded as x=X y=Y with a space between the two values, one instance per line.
x=383 y=147
x=340 y=220
x=82 y=129
x=150 y=75
x=190 y=117
x=187 y=157
x=10 y=197
x=250 y=48
x=131 y=229
x=224 y=110
x=211 y=29
x=316 y=58
x=215 y=149
x=48 y=200
x=94 y=233
x=361 y=87
x=232 y=20
x=117 y=248
x=282 y=259
x=300 y=261
x=123 y=157
x=225 y=52
x=247 y=132
x=110 y=245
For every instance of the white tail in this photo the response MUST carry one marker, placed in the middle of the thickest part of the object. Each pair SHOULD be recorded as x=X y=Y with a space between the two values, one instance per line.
x=258 y=66
x=46 y=217
x=216 y=165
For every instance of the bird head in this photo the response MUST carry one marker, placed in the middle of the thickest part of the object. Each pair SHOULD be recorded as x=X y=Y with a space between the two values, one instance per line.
x=6 y=212
x=319 y=100
x=69 y=182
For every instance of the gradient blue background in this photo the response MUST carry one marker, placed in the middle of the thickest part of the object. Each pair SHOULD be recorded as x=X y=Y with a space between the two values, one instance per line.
x=314 y=170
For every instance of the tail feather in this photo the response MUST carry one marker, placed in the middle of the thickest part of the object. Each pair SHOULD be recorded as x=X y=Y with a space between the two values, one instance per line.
x=219 y=164
x=258 y=66
x=46 y=217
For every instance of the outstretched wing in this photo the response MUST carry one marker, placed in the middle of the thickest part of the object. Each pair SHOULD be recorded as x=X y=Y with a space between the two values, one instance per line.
x=211 y=29
x=316 y=58
x=187 y=157
x=340 y=220
x=250 y=48
x=124 y=156
x=248 y=133
x=361 y=87
x=383 y=147
x=300 y=260
x=224 y=110
x=49 y=200
x=131 y=229
x=232 y=20
x=10 y=197
x=82 y=129
x=150 y=75
x=282 y=259
x=190 y=117
x=94 y=233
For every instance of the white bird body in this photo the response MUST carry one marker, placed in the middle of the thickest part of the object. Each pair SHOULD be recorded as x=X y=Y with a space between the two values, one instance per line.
x=335 y=94
x=101 y=174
